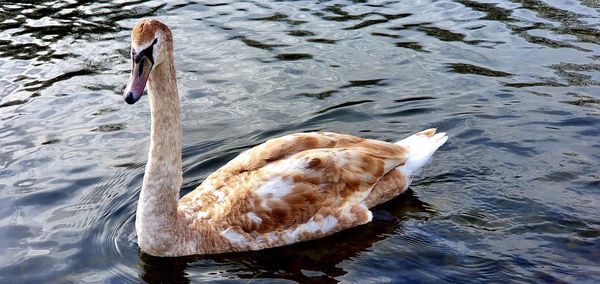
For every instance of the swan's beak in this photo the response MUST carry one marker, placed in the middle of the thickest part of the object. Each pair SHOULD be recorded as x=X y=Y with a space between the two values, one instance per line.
x=137 y=80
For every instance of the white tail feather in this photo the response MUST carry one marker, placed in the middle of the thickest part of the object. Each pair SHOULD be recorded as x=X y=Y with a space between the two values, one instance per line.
x=421 y=147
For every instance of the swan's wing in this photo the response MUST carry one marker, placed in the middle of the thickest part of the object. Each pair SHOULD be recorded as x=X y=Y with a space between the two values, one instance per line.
x=283 y=147
x=296 y=188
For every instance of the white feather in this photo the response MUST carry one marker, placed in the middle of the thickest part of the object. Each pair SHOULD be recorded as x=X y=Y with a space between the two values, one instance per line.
x=234 y=237
x=252 y=216
x=276 y=187
x=323 y=226
x=420 y=149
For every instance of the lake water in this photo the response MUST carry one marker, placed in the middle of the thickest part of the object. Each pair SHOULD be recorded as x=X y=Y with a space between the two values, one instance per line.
x=514 y=195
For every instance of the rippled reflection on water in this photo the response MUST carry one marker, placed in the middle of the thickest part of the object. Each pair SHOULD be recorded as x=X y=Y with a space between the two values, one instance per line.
x=513 y=196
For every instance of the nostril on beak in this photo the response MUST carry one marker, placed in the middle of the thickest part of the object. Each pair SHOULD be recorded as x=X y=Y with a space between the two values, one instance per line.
x=129 y=98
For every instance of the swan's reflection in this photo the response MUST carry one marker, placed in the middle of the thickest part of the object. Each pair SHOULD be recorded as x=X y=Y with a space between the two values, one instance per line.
x=310 y=261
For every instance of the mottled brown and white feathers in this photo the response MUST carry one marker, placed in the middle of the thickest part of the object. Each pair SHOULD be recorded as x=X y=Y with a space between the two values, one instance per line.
x=301 y=187
x=290 y=189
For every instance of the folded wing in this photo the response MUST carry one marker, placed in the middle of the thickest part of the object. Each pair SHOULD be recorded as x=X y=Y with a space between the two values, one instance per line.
x=294 y=188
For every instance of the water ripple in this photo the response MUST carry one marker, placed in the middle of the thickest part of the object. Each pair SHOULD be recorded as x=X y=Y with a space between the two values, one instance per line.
x=510 y=197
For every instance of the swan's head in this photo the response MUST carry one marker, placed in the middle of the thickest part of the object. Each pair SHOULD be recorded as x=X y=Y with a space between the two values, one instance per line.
x=151 y=45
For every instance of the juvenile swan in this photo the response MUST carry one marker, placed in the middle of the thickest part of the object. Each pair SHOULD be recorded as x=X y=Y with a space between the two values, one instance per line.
x=290 y=189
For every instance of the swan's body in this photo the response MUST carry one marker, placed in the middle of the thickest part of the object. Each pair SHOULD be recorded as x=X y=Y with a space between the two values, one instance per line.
x=291 y=189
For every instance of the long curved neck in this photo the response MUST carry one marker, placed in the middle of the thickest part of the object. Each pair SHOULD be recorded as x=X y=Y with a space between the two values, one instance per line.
x=156 y=217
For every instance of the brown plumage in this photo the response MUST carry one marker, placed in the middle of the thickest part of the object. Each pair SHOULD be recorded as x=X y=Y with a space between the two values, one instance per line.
x=290 y=189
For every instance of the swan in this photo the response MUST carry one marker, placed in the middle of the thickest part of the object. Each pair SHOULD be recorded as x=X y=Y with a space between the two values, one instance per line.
x=295 y=188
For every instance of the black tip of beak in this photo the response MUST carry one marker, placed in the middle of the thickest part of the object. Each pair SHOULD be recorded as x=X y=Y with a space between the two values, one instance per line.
x=129 y=98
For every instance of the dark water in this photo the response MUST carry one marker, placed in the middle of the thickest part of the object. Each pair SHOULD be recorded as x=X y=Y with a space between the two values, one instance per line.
x=512 y=197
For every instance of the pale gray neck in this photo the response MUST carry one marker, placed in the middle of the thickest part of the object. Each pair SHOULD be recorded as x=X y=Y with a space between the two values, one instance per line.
x=157 y=206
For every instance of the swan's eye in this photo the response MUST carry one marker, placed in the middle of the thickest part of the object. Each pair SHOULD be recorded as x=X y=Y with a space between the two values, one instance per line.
x=155 y=41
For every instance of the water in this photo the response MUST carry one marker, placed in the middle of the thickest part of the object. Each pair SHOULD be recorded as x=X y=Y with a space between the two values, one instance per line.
x=512 y=197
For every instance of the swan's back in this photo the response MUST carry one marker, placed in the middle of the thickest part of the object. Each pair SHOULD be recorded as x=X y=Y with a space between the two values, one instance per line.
x=296 y=188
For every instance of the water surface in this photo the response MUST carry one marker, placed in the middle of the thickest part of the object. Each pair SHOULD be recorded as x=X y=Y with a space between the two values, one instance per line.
x=512 y=197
